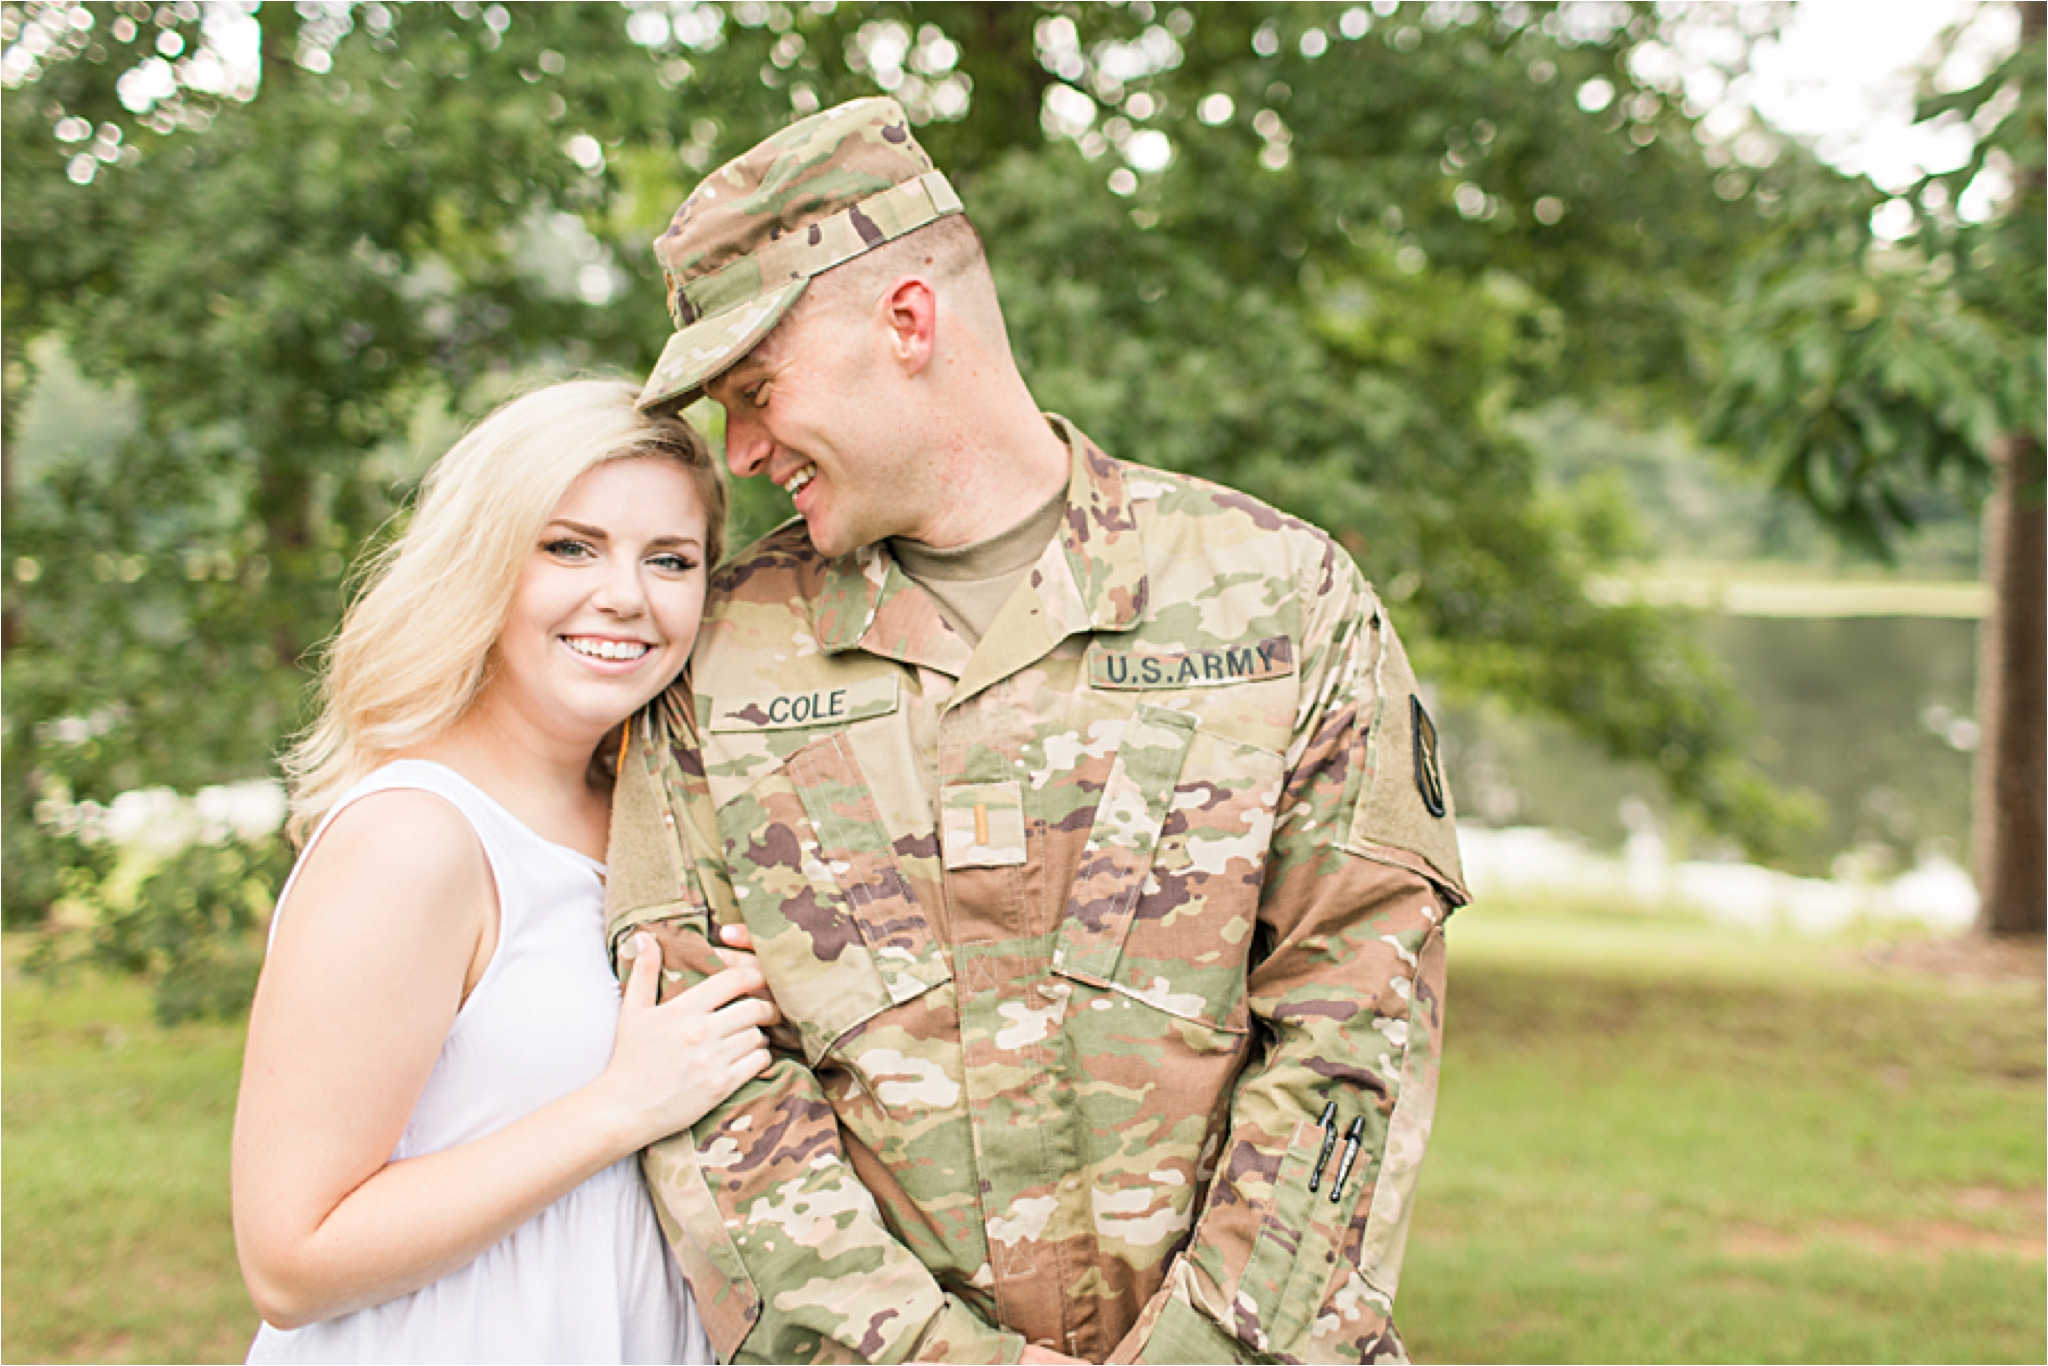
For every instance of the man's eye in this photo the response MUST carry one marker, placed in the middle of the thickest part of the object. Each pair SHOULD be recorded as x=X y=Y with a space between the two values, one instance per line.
x=758 y=395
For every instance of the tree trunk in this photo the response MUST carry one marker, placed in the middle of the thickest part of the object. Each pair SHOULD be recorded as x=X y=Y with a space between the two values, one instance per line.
x=2010 y=820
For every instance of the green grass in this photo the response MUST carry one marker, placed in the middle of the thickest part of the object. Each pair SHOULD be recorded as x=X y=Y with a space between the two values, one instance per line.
x=114 y=1231
x=1657 y=1141
x=1662 y=1142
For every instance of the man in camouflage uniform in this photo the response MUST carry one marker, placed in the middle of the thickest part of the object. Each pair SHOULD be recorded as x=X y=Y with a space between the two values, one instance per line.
x=1098 y=856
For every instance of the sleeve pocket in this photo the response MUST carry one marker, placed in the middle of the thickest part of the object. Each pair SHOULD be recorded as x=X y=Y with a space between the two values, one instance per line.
x=1296 y=1255
x=727 y=1299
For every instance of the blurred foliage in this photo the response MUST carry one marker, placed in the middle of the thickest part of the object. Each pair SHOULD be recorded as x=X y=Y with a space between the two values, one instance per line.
x=1866 y=371
x=191 y=927
x=1323 y=253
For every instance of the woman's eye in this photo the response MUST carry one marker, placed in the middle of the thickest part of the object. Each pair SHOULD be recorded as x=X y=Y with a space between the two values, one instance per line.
x=567 y=549
x=674 y=564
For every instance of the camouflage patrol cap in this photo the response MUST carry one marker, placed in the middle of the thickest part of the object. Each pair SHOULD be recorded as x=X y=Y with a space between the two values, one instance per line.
x=747 y=241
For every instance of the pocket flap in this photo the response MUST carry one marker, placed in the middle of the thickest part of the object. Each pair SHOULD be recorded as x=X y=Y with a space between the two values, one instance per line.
x=1135 y=799
x=837 y=929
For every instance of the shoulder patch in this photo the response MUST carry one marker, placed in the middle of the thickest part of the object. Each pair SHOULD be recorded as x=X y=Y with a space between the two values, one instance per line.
x=1404 y=809
x=1429 y=775
x=648 y=870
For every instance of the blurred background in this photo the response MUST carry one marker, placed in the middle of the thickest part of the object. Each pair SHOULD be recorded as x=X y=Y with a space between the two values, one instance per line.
x=1675 y=371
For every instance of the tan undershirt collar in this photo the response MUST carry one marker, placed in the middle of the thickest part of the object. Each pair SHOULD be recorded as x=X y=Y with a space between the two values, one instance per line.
x=971 y=583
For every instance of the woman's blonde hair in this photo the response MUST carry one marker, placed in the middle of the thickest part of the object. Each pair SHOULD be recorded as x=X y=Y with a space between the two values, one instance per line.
x=414 y=646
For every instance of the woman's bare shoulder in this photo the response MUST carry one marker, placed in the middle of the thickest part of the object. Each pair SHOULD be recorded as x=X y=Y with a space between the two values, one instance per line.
x=403 y=854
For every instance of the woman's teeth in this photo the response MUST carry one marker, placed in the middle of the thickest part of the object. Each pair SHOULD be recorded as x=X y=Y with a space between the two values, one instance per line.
x=606 y=649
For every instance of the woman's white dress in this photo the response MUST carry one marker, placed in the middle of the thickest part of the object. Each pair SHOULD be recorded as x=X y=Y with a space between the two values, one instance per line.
x=589 y=1278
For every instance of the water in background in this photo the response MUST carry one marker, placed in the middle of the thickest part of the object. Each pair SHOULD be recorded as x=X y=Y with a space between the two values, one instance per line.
x=1873 y=715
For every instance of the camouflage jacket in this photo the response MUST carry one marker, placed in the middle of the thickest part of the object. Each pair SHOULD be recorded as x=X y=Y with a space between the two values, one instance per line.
x=1077 y=933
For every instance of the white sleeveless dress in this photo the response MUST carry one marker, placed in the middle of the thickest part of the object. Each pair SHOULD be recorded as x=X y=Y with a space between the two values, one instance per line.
x=589 y=1278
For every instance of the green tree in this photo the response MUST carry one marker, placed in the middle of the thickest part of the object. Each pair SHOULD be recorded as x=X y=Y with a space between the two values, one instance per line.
x=1319 y=252
x=1867 y=372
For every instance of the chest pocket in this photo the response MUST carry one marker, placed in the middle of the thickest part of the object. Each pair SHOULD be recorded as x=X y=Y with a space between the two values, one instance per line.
x=1166 y=897
x=839 y=935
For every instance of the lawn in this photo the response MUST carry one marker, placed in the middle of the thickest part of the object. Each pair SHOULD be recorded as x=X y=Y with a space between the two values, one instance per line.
x=1663 y=1142
x=114 y=1230
x=1656 y=1142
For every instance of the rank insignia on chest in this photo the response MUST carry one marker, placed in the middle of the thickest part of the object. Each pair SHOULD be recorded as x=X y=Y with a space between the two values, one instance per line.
x=1200 y=668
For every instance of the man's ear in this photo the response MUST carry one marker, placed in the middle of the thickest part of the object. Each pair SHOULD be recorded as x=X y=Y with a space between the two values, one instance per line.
x=910 y=311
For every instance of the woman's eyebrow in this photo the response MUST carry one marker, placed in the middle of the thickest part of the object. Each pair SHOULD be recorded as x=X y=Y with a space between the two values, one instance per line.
x=599 y=534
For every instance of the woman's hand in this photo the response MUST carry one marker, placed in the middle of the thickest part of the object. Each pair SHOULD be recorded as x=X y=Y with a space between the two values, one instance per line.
x=738 y=950
x=677 y=1059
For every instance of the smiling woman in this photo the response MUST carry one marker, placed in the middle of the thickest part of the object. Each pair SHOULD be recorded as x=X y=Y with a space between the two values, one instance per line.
x=607 y=608
x=443 y=1096
x=412 y=655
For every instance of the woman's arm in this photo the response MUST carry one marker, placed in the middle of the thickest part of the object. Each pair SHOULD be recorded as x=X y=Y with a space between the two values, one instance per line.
x=358 y=994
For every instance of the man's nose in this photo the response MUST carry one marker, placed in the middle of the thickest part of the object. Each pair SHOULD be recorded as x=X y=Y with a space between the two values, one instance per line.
x=746 y=443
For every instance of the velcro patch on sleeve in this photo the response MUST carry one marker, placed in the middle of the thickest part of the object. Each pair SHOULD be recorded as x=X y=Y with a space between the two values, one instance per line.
x=1404 y=803
x=1215 y=666
x=816 y=707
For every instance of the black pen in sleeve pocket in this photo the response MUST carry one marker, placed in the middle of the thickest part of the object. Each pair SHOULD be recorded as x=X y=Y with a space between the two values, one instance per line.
x=1353 y=1136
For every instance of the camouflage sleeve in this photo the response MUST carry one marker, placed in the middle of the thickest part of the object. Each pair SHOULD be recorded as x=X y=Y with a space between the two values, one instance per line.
x=783 y=1246
x=1297 y=1252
